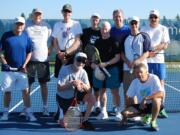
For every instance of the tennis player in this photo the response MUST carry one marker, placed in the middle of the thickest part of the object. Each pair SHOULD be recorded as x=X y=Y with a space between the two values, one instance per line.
x=159 y=36
x=39 y=32
x=17 y=50
x=74 y=76
x=110 y=55
x=65 y=38
x=149 y=92
x=135 y=50
x=89 y=36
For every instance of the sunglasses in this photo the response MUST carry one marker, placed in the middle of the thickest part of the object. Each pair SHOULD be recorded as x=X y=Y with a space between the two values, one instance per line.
x=134 y=23
x=81 y=60
x=153 y=16
x=66 y=11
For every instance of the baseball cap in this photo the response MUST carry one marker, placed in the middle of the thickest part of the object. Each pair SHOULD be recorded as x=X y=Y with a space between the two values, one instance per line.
x=19 y=20
x=37 y=10
x=67 y=7
x=154 y=12
x=81 y=57
x=134 y=18
x=96 y=15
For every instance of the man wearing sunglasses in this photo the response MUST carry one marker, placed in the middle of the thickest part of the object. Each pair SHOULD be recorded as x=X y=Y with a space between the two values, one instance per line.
x=159 y=42
x=65 y=38
x=70 y=77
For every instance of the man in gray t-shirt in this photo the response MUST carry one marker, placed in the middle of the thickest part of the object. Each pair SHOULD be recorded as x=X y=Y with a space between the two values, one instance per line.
x=73 y=77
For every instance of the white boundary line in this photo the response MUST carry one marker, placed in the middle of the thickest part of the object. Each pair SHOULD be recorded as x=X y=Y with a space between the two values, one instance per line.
x=172 y=87
x=21 y=101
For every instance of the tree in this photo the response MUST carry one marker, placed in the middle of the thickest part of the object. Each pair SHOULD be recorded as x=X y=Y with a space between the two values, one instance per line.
x=23 y=15
x=178 y=17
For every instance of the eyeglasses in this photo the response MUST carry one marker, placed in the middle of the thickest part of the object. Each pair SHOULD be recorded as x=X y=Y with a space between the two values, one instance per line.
x=81 y=60
x=66 y=11
x=153 y=16
x=134 y=22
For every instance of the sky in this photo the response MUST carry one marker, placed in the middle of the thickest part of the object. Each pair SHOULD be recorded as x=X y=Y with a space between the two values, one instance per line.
x=82 y=9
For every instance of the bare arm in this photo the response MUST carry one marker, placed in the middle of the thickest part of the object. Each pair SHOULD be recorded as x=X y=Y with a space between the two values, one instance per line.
x=28 y=57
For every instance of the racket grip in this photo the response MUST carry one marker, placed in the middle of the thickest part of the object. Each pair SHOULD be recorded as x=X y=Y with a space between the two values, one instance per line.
x=13 y=69
x=106 y=72
x=131 y=71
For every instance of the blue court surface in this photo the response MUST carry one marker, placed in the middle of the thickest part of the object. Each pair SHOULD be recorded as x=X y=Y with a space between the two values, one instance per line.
x=47 y=126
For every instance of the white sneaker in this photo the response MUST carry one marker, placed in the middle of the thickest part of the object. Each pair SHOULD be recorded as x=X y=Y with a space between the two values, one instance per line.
x=118 y=116
x=31 y=117
x=45 y=111
x=23 y=113
x=103 y=115
x=136 y=119
x=4 y=116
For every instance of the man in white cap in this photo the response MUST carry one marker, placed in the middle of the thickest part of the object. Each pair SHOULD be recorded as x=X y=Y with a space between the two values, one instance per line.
x=159 y=36
x=39 y=32
x=65 y=38
x=70 y=77
x=16 y=50
x=89 y=36
x=135 y=50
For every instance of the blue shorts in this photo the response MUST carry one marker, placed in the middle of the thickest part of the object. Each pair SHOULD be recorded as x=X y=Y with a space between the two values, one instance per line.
x=158 y=69
x=112 y=82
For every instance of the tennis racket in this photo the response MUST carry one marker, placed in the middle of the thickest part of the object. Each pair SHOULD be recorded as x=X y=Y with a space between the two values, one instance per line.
x=37 y=69
x=93 y=56
x=72 y=118
x=136 y=52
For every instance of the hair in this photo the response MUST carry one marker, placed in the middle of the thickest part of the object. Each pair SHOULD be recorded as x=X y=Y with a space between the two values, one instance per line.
x=141 y=65
x=118 y=11
x=106 y=23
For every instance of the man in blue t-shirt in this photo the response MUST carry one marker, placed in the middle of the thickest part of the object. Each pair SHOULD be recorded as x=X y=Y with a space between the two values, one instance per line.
x=119 y=32
x=15 y=48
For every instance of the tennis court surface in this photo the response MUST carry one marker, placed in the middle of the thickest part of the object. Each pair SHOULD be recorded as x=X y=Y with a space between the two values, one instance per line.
x=47 y=125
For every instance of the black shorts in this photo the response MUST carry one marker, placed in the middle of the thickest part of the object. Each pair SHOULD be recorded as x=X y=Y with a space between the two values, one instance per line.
x=58 y=65
x=32 y=66
x=147 y=110
x=65 y=103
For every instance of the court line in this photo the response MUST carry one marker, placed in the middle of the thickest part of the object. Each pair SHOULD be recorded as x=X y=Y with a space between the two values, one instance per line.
x=170 y=86
x=21 y=101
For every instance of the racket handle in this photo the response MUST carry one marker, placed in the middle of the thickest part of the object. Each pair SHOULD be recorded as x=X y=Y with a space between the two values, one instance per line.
x=131 y=71
x=106 y=72
x=13 y=69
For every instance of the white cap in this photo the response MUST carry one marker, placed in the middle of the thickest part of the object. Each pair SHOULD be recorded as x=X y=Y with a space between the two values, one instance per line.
x=37 y=10
x=99 y=74
x=96 y=15
x=154 y=12
x=81 y=54
x=19 y=19
x=134 y=18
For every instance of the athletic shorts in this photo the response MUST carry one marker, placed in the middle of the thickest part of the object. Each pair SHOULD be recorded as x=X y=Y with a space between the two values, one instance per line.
x=127 y=79
x=65 y=103
x=32 y=66
x=158 y=69
x=110 y=82
x=13 y=81
x=58 y=65
x=147 y=110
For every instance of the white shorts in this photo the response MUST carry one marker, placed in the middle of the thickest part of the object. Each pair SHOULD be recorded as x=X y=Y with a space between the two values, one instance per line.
x=13 y=80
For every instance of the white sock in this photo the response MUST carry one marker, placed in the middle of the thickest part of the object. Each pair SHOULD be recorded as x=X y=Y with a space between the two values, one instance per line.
x=97 y=104
x=28 y=110
x=104 y=109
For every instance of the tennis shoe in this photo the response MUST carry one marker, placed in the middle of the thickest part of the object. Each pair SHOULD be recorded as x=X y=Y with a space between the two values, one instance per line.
x=103 y=115
x=45 y=111
x=86 y=125
x=4 y=116
x=154 y=126
x=163 y=114
x=146 y=119
x=118 y=116
x=31 y=117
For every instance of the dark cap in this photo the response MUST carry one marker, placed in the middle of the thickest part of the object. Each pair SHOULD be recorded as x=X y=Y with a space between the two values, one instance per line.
x=67 y=7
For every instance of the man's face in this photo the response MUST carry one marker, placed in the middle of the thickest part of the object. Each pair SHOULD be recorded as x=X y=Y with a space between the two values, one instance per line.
x=37 y=17
x=19 y=27
x=154 y=20
x=66 y=14
x=105 y=30
x=141 y=74
x=95 y=21
x=118 y=18
x=79 y=62
x=134 y=25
